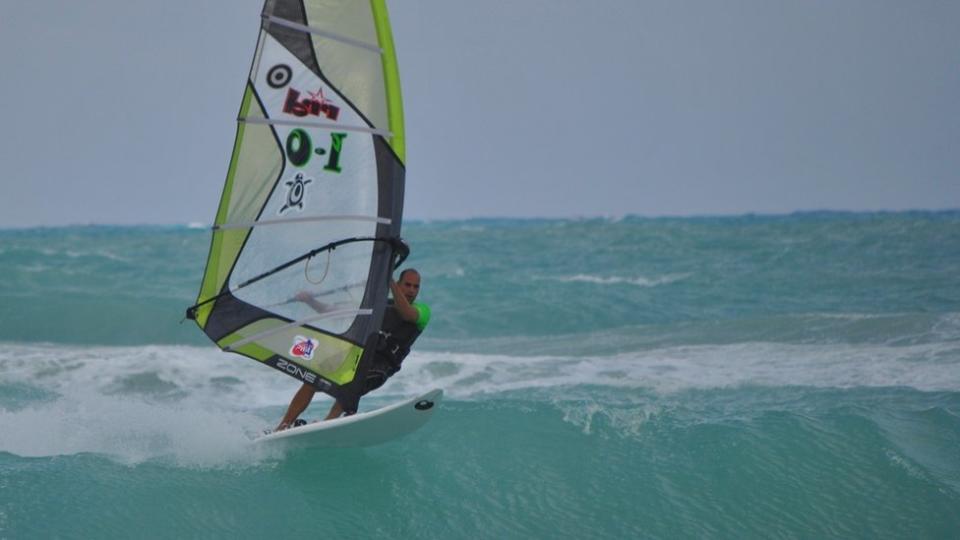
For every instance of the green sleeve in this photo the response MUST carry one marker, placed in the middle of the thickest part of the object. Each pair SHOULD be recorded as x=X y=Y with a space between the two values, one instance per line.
x=424 y=317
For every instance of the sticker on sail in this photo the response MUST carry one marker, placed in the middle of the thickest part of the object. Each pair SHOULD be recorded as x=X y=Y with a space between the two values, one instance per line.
x=303 y=348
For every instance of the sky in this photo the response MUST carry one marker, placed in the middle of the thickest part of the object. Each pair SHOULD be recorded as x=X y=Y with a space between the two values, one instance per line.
x=123 y=112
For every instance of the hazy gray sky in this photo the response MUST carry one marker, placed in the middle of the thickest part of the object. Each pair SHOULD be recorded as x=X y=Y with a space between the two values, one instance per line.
x=124 y=111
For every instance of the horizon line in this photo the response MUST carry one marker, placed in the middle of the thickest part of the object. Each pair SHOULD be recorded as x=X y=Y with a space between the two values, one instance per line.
x=586 y=217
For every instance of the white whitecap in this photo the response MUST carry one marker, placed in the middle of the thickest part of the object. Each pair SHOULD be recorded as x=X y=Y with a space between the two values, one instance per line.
x=639 y=281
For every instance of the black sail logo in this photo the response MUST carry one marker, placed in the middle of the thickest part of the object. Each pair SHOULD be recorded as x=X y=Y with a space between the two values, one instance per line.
x=296 y=191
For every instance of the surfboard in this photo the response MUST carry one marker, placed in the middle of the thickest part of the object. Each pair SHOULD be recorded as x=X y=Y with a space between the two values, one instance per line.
x=361 y=429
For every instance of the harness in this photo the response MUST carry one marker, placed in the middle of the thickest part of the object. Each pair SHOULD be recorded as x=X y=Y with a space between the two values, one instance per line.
x=395 y=338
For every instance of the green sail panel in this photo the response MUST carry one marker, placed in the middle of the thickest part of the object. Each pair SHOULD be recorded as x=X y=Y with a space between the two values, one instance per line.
x=304 y=238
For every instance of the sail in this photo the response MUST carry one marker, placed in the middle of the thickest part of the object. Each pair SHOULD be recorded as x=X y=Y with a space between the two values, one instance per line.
x=307 y=230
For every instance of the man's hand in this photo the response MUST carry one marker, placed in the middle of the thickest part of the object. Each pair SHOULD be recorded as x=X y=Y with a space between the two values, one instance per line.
x=408 y=312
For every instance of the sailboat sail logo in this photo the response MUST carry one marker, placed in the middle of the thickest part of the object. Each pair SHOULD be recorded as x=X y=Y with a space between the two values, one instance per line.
x=302 y=348
x=295 y=195
x=313 y=105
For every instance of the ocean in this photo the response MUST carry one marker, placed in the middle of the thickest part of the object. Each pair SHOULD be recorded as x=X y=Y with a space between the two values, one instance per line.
x=787 y=376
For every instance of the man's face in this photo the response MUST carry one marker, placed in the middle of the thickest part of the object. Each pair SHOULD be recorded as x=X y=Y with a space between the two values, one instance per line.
x=410 y=285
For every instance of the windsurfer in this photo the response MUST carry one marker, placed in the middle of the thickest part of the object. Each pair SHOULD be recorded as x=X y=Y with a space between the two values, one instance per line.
x=403 y=322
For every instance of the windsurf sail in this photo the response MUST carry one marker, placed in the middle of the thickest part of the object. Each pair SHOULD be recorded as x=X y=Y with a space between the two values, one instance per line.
x=307 y=231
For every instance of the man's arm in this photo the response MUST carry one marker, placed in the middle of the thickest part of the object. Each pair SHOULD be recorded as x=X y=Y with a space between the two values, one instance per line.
x=307 y=298
x=407 y=312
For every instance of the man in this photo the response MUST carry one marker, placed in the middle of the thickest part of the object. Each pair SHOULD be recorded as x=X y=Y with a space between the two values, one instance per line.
x=403 y=322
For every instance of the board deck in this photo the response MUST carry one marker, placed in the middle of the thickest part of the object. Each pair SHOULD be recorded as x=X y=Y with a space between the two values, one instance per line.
x=362 y=429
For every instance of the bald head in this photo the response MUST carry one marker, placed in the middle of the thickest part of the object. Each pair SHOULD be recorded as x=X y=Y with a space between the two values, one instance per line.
x=409 y=282
x=408 y=271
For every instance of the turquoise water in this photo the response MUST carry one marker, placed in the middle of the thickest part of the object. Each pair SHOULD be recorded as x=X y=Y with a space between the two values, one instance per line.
x=740 y=377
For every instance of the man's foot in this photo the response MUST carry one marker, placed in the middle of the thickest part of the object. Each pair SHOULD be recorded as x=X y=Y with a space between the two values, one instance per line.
x=296 y=423
x=285 y=425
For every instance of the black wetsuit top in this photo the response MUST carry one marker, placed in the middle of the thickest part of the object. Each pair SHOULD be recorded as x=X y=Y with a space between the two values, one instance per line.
x=396 y=337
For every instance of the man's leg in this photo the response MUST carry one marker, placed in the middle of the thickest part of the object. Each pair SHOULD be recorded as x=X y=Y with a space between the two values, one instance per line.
x=298 y=404
x=375 y=379
x=335 y=411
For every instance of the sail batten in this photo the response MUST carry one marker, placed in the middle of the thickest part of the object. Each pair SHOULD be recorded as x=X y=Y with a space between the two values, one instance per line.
x=324 y=33
x=260 y=223
x=318 y=161
x=306 y=123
